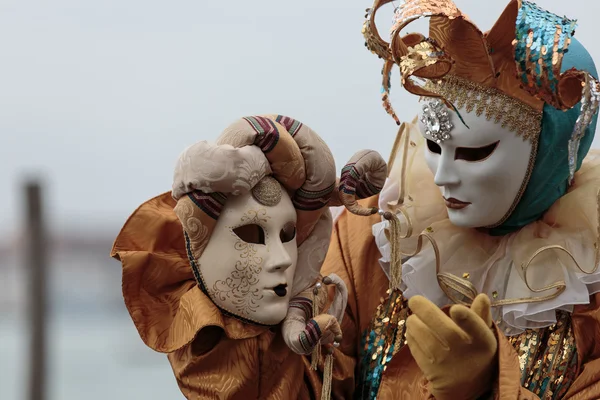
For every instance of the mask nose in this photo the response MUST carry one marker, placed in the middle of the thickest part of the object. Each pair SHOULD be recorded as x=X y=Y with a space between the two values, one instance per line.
x=446 y=174
x=279 y=258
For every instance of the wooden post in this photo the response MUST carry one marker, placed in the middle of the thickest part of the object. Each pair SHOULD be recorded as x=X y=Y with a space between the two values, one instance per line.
x=35 y=248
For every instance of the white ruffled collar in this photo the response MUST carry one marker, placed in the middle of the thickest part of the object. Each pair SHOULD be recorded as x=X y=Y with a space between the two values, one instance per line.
x=498 y=276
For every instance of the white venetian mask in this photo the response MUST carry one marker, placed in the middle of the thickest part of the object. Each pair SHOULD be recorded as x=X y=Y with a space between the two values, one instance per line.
x=480 y=170
x=249 y=262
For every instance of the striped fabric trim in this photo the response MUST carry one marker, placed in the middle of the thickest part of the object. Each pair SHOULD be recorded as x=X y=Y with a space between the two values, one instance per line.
x=268 y=135
x=290 y=124
x=366 y=189
x=195 y=269
x=309 y=201
x=303 y=304
x=349 y=179
x=314 y=332
x=210 y=203
x=303 y=339
x=350 y=183
x=310 y=336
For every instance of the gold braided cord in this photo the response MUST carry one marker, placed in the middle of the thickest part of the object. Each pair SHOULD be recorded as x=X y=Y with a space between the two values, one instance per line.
x=327 y=377
x=446 y=281
x=396 y=257
x=404 y=135
x=316 y=353
x=559 y=285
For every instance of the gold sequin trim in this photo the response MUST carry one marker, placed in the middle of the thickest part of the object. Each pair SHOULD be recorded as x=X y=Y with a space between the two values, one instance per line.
x=373 y=41
x=409 y=10
x=548 y=358
x=503 y=109
x=421 y=56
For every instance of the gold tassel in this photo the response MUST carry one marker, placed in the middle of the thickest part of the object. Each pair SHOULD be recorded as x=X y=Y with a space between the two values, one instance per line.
x=327 y=377
x=396 y=258
x=316 y=354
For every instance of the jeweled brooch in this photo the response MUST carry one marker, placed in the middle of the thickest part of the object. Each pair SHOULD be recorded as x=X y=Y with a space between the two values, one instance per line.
x=437 y=121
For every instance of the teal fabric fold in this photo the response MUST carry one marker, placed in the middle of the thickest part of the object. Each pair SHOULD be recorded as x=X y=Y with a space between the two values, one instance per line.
x=550 y=175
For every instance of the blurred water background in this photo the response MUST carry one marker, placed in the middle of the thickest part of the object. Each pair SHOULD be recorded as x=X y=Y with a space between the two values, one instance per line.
x=94 y=351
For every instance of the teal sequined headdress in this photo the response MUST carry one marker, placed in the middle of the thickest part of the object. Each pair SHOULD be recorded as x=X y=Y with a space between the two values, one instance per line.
x=567 y=129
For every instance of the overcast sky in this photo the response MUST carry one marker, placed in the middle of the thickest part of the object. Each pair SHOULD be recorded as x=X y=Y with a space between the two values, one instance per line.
x=98 y=98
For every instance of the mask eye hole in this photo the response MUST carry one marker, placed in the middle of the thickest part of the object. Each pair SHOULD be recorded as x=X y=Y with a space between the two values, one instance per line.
x=474 y=154
x=288 y=233
x=434 y=147
x=251 y=233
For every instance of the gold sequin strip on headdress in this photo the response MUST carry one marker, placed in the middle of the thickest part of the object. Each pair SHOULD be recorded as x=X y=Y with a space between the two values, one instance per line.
x=410 y=10
x=419 y=58
x=373 y=40
x=503 y=109
x=590 y=101
x=541 y=41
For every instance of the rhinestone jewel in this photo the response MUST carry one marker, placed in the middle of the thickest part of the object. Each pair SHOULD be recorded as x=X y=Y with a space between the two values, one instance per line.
x=437 y=121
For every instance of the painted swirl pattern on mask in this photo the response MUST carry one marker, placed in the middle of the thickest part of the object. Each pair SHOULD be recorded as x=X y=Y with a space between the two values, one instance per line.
x=240 y=288
x=255 y=217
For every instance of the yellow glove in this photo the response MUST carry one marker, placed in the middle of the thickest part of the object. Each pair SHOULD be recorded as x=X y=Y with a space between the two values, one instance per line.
x=457 y=354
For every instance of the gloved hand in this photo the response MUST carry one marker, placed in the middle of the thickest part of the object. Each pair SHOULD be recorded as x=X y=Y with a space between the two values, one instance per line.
x=456 y=353
x=301 y=332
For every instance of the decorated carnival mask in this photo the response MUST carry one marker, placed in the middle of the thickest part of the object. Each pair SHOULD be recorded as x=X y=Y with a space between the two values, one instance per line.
x=526 y=84
x=249 y=262
x=480 y=166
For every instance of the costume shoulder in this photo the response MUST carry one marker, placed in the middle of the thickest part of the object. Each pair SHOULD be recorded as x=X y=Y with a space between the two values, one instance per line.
x=152 y=227
x=159 y=288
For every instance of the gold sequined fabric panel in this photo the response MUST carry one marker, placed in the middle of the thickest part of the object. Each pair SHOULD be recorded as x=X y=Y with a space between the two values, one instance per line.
x=502 y=51
x=548 y=358
x=381 y=342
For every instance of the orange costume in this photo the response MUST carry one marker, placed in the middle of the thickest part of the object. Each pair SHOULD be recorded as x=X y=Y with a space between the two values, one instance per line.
x=263 y=192
x=440 y=306
x=213 y=355
x=565 y=356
